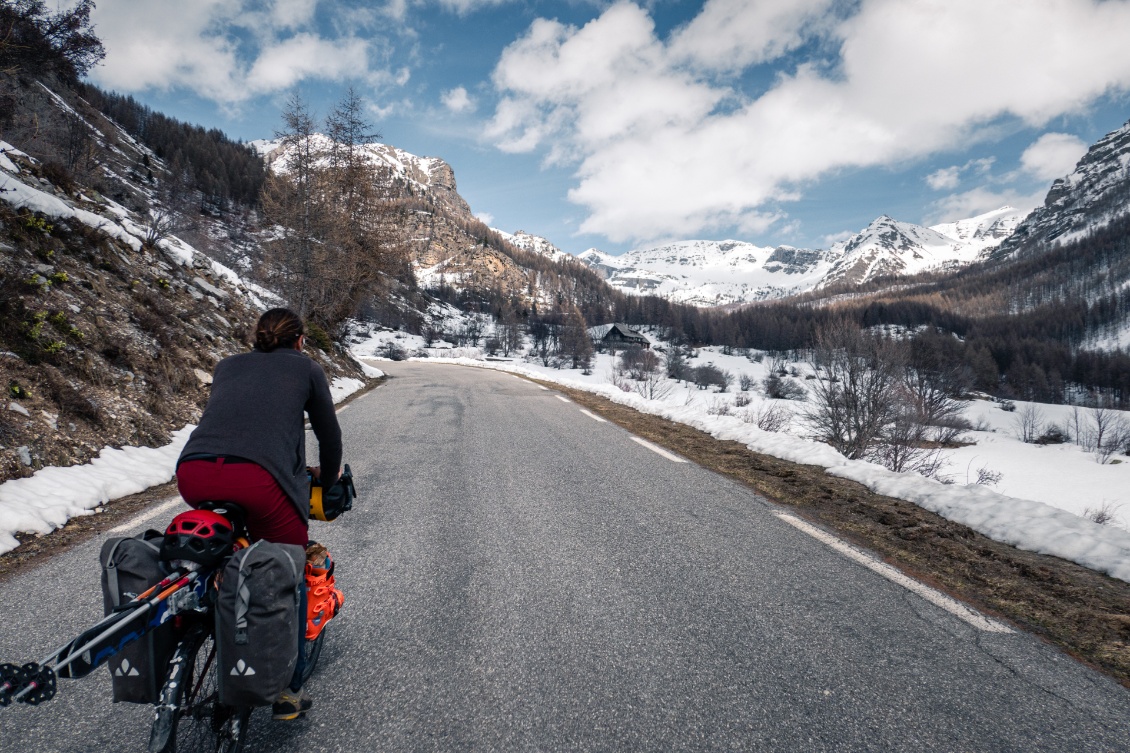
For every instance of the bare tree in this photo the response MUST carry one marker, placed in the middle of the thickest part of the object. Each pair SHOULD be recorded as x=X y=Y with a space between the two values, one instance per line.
x=1029 y=423
x=289 y=204
x=338 y=229
x=852 y=400
x=929 y=394
x=509 y=331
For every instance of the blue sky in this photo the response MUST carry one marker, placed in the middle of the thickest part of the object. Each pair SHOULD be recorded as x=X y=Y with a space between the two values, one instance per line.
x=623 y=125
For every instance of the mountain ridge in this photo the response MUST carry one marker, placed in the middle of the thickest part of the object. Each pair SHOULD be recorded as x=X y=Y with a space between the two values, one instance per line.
x=718 y=273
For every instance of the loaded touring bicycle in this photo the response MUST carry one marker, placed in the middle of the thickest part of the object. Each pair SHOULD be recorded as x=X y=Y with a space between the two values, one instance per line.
x=200 y=623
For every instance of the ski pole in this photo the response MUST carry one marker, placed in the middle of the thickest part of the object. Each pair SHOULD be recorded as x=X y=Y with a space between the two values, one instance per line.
x=45 y=678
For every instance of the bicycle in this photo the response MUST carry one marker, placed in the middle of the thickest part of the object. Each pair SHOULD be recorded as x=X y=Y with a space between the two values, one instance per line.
x=189 y=715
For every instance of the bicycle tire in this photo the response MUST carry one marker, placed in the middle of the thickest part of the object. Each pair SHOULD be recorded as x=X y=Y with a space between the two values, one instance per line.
x=313 y=649
x=192 y=719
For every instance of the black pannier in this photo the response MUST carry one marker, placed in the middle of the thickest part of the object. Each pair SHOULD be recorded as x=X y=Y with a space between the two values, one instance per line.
x=258 y=622
x=130 y=565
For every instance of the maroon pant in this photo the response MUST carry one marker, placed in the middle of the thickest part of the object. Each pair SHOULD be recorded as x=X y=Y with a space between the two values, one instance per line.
x=270 y=513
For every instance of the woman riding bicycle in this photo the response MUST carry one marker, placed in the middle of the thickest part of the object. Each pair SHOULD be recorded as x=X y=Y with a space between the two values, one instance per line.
x=250 y=446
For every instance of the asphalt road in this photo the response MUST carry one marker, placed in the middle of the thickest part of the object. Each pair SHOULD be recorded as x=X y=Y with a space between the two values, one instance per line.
x=520 y=577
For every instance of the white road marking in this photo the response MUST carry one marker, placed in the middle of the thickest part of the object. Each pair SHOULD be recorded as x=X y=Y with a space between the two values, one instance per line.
x=344 y=407
x=593 y=416
x=542 y=387
x=659 y=450
x=954 y=607
x=563 y=399
x=146 y=516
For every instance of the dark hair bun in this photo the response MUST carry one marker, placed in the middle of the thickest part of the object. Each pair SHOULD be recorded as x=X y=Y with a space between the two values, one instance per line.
x=277 y=328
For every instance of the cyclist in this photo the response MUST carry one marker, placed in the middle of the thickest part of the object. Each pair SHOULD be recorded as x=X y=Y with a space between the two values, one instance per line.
x=250 y=447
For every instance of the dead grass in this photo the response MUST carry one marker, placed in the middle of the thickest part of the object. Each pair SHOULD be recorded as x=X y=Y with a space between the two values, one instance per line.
x=1083 y=612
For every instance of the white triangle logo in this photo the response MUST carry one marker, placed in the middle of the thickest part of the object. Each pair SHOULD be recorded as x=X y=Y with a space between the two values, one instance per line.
x=241 y=668
x=125 y=670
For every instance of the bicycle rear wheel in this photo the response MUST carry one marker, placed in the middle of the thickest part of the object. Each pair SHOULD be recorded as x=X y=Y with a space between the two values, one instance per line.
x=191 y=718
x=313 y=650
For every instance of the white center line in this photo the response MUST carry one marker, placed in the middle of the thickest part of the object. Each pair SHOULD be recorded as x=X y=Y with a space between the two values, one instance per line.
x=659 y=450
x=164 y=507
x=954 y=607
x=562 y=399
x=593 y=416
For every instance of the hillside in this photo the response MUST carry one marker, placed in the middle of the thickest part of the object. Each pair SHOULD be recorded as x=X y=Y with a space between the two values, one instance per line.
x=110 y=323
x=456 y=257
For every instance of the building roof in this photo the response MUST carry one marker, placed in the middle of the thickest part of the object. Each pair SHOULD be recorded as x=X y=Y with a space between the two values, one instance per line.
x=601 y=331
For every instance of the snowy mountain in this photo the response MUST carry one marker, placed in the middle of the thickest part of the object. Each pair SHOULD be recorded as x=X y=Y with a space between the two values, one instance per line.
x=716 y=273
x=427 y=176
x=888 y=248
x=534 y=243
x=1092 y=197
x=712 y=273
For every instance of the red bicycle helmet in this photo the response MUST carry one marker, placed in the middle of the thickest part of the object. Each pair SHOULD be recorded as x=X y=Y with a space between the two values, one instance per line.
x=199 y=536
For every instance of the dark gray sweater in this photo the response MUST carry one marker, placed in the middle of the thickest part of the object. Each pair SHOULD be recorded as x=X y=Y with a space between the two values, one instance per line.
x=255 y=412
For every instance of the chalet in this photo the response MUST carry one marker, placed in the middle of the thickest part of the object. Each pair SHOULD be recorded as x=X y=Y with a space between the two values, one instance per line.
x=617 y=336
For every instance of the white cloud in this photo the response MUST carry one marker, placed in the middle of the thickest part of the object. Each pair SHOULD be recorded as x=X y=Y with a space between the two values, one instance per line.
x=1053 y=155
x=293 y=13
x=224 y=50
x=733 y=34
x=486 y=218
x=945 y=179
x=457 y=100
x=463 y=7
x=948 y=178
x=282 y=65
x=663 y=144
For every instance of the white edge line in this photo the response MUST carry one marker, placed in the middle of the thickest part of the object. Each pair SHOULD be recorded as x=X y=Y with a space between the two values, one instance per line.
x=146 y=516
x=593 y=416
x=659 y=450
x=954 y=607
x=563 y=399
x=344 y=407
x=540 y=386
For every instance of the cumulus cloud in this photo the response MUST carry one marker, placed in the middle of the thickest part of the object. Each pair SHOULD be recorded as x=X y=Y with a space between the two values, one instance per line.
x=733 y=34
x=281 y=65
x=486 y=218
x=1053 y=155
x=457 y=100
x=224 y=50
x=665 y=143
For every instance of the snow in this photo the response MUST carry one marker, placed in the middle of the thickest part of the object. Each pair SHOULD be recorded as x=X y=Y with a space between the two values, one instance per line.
x=1038 y=504
x=23 y=196
x=52 y=496
x=5 y=163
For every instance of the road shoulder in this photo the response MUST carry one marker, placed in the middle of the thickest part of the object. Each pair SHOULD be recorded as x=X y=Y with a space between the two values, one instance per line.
x=1085 y=613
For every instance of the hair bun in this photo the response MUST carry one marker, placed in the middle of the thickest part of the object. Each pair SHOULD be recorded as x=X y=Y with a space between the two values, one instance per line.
x=278 y=328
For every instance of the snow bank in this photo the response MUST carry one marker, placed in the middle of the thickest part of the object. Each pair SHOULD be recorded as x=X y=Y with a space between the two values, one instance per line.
x=343 y=387
x=1024 y=523
x=52 y=496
